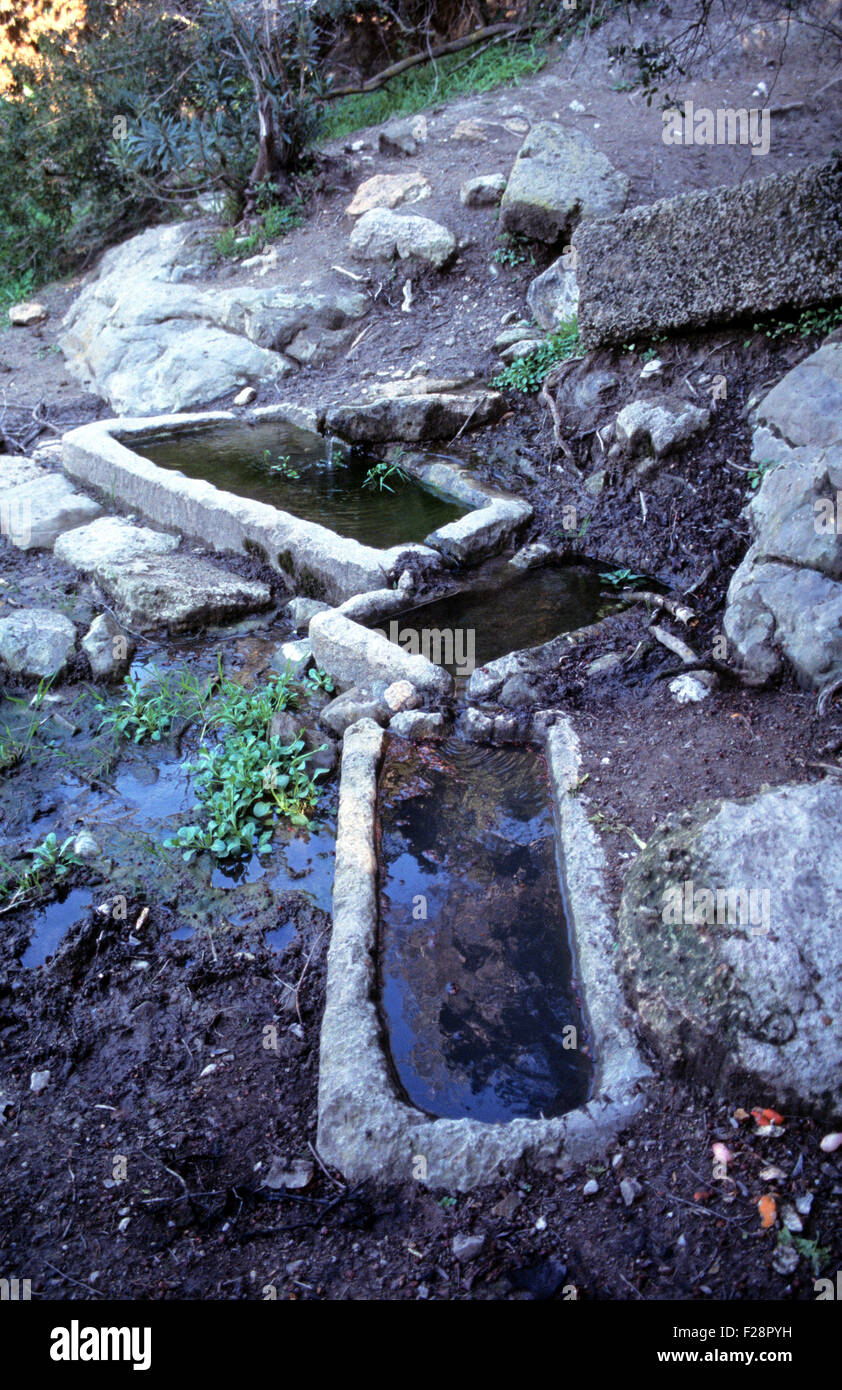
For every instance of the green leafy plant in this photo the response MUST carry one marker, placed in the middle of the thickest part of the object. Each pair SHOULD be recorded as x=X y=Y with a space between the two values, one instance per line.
x=379 y=474
x=817 y=1255
x=148 y=711
x=51 y=862
x=318 y=679
x=281 y=465
x=622 y=578
x=527 y=374
x=758 y=473
x=809 y=322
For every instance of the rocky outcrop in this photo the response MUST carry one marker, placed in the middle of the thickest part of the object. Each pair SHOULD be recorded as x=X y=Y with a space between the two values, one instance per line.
x=558 y=177
x=764 y=245
x=785 y=599
x=147 y=339
x=729 y=927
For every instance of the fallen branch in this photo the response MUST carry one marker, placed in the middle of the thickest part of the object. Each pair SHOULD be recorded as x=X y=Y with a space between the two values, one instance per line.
x=454 y=46
x=674 y=645
x=679 y=611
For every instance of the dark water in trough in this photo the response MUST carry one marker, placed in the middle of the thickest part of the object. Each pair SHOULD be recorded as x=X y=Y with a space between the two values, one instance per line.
x=478 y=997
x=331 y=493
x=504 y=610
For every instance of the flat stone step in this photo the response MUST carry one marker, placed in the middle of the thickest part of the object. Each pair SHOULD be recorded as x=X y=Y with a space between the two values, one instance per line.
x=110 y=540
x=179 y=592
x=34 y=514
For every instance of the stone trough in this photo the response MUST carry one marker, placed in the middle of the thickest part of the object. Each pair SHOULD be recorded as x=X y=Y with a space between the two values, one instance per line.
x=106 y=457
x=365 y=1128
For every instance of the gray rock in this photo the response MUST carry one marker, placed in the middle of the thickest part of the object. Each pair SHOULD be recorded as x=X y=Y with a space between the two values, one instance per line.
x=179 y=592
x=785 y=599
x=417 y=725
x=660 y=425
x=33 y=515
x=297 y=657
x=553 y=297
x=403 y=136
x=301 y=610
x=353 y=655
x=466 y=1248
x=110 y=539
x=36 y=642
x=532 y=556
x=381 y=234
x=558 y=177
x=591 y=1188
x=741 y=987
x=692 y=689
x=478 y=727
x=518 y=690
x=482 y=532
x=14 y=469
x=108 y=648
x=39 y=1081
x=26 y=314
x=431 y=415
x=518 y=333
x=805 y=408
x=85 y=846
x=484 y=191
x=727 y=265
x=349 y=708
x=523 y=348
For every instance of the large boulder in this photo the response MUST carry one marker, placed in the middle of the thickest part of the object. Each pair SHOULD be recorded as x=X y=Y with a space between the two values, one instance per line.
x=149 y=339
x=428 y=415
x=785 y=599
x=729 y=930
x=34 y=514
x=36 y=642
x=380 y=235
x=558 y=177
x=764 y=245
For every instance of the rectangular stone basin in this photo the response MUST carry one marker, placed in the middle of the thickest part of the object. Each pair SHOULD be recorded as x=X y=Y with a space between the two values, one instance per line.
x=169 y=469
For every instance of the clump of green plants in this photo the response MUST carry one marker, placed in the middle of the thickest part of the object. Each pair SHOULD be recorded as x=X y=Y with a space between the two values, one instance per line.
x=249 y=779
x=516 y=251
x=528 y=373
x=246 y=778
x=51 y=862
x=148 y=710
x=758 y=473
x=379 y=474
x=810 y=1250
x=317 y=679
x=281 y=466
x=503 y=64
x=809 y=322
x=623 y=578
x=275 y=220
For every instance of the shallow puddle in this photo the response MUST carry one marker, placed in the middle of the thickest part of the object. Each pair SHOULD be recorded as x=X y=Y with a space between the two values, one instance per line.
x=504 y=610
x=293 y=470
x=477 y=992
x=52 y=922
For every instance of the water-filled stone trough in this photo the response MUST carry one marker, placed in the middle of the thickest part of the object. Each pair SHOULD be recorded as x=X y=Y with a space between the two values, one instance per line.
x=453 y=1081
x=342 y=539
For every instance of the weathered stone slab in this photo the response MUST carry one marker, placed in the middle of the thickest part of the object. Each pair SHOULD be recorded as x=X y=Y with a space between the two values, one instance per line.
x=711 y=257
x=388 y=191
x=558 y=177
x=110 y=539
x=179 y=592
x=481 y=533
x=729 y=927
x=33 y=515
x=354 y=655
x=15 y=469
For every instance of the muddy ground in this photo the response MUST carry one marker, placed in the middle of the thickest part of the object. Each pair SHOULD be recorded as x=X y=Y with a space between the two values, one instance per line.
x=140 y=1170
